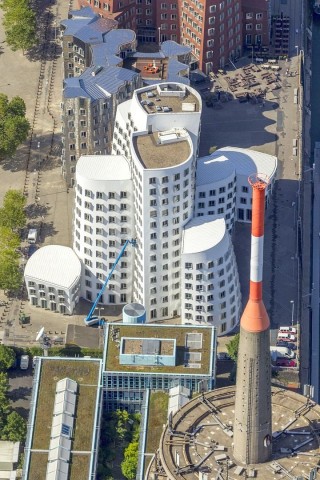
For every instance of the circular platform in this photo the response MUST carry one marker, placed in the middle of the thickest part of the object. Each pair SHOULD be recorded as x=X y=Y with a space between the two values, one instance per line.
x=197 y=441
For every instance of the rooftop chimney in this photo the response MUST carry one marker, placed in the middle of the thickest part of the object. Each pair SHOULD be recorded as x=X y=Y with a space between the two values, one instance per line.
x=252 y=424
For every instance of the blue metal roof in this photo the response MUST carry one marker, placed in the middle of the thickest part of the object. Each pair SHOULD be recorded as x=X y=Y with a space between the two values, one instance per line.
x=105 y=53
x=116 y=38
x=89 y=29
x=85 y=12
x=107 y=81
x=174 y=69
x=174 y=49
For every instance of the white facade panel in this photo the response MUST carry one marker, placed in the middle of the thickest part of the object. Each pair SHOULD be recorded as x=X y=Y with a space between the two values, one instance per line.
x=103 y=221
x=210 y=289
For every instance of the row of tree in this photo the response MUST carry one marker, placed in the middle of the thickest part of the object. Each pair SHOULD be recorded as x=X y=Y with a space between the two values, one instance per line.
x=12 y=219
x=19 y=24
x=12 y=426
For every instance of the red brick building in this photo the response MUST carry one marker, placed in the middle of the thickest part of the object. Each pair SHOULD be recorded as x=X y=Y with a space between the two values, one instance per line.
x=124 y=11
x=256 y=22
x=213 y=29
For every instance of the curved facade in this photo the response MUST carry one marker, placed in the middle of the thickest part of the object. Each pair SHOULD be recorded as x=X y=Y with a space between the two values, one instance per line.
x=159 y=130
x=103 y=221
x=222 y=182
x=210 y=287
x=52 y=276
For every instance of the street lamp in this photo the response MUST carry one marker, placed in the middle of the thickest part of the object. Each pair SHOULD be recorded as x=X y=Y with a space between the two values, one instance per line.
x=159 y=33
x=251 y=53
x=297 y=47
x=292 y=311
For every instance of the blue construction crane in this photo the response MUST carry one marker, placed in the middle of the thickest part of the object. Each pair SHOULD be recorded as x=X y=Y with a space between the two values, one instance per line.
x=89 y=319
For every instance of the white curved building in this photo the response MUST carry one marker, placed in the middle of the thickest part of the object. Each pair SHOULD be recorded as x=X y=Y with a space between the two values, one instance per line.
x=103 y=221
x=52 y=276
x=159 y=131
x=210 y=288
x=222 y=182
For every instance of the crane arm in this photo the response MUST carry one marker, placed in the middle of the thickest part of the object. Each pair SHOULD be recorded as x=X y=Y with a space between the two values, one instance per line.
x=133 y=243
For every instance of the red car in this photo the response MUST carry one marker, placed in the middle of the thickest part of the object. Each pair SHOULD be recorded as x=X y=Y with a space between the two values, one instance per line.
x=285 y=362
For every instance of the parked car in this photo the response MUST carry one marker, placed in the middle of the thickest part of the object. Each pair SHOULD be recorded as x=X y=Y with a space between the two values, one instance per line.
x=287 y=337
x=223 y=356
x=288 y=329
x=285 y=362
x=24 y=362
x=283 y=343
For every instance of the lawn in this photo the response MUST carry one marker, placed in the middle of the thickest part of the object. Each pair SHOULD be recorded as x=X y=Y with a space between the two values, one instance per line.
x=152 y=331
x=79 y=468
x=38 y=466
x=157 y=417
x=85 y=373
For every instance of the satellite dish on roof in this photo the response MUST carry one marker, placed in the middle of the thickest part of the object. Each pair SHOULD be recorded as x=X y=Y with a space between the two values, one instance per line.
x=40 y=334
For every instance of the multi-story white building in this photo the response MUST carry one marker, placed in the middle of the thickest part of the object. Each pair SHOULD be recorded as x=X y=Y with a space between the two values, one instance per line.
x=103 y=221
x=222 y=186
x=159 y=131
x=210 y=289
x=52 y=276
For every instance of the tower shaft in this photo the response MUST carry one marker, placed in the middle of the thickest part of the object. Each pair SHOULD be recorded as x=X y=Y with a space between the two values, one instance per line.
x=252 y=424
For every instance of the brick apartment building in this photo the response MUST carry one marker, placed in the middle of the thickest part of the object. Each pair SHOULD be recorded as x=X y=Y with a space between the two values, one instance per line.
x=215 y=30
x=256 y=23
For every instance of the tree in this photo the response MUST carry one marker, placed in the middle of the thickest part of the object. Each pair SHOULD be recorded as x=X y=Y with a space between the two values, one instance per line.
x=130 y=462
x=14 y=127
x=15 y=429
x=233 y=347
x=10 y=273
x=19 y=25
x=212 y=150
x=4 y=402
x=12 y=214
x=9 y=241
x=7 y=357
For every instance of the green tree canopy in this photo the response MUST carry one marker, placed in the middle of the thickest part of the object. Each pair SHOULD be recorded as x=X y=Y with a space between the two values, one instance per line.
x=9 y=241
x=130 y=462
x=7 y=357
x=19 y=24
x=10 y=273
x=233 y=347
x=15 y=429
x=12 y=214
x=14 y=127
x=4 y=402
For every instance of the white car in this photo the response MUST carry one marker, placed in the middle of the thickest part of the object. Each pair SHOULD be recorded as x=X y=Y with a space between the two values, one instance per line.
x=24 y=362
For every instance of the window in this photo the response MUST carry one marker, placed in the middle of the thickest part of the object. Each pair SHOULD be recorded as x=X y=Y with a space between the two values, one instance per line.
x=249 y=16
x=259 y=16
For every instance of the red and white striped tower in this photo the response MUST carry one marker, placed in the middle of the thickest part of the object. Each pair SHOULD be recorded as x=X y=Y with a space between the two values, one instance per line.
x=252 y=425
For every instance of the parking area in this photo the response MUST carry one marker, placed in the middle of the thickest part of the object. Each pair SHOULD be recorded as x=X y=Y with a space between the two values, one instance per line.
x=20 y=382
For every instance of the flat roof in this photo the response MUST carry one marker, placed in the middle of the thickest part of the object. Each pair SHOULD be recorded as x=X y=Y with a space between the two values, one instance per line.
x=153 y=155
x=116 y=331
x=173 y=102
x=243 y=160
x=87 y=374
x=103 y=167
x=54 y=264
x=150 y=346
x=203 y=233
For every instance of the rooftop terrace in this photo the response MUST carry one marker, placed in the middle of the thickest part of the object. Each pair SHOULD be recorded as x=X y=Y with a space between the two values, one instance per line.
x=175 y=97
x=193 y=347
x=86 y=373
x=155 y=155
